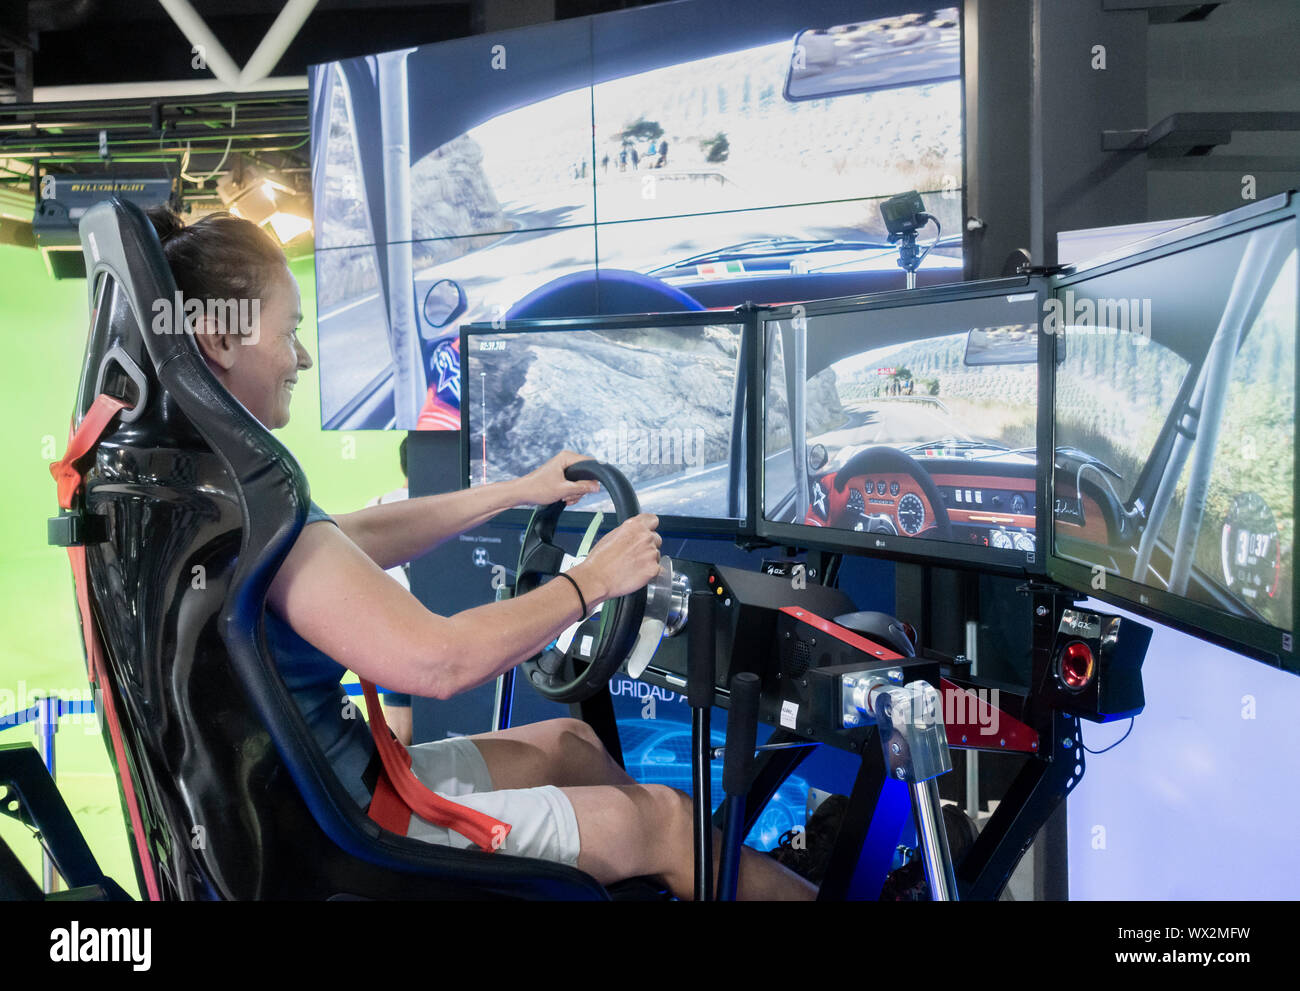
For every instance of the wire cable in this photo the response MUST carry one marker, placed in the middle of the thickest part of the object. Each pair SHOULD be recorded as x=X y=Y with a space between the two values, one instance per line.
x=1131 y=721
x=938 y=235
x=199 y=180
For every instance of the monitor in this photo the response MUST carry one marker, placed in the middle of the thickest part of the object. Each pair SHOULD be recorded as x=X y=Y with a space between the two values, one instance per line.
x=660 y=397
x=908 y=424
x=1174 y=429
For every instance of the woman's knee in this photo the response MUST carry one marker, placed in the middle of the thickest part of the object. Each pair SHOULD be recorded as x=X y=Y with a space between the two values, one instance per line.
x=634 y=829
x=667 y=833
x=582 y=757
x=575 y=731
x=671 y=814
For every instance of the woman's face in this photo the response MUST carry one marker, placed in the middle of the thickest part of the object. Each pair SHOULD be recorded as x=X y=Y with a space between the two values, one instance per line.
x=260 y=368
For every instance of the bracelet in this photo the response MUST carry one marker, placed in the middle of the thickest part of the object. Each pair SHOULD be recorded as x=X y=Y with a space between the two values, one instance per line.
x=579 y=591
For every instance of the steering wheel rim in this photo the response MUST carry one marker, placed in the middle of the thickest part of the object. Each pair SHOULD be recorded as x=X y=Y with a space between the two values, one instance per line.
x=613 y=632
x=875 y=459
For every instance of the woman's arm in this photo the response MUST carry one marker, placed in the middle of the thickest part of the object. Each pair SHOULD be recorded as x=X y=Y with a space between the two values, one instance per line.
x=337 y=599
x=393 y=533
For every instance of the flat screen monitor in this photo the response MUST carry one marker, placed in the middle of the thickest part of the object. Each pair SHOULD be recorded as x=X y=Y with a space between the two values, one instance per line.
x=908 y=424
x=1174 y=423
x=661 y=398
x=684 y=156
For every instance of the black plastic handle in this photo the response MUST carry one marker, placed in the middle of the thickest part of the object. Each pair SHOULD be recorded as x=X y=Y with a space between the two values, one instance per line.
x=742 y=730
x=700 y=651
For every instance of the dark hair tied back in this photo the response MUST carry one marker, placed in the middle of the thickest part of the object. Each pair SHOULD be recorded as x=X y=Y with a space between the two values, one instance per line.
x=166 y=223
x=220 y=256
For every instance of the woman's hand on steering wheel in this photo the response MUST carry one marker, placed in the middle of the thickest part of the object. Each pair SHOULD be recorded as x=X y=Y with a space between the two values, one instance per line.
x=621 y=562
x=616 y=573
x=547 y=484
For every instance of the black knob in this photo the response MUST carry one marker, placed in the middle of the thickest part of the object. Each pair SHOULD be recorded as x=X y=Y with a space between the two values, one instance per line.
x=700 y=651
x=742 y=731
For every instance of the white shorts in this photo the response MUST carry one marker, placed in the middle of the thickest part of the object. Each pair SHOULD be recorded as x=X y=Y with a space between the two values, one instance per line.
x=542 y=820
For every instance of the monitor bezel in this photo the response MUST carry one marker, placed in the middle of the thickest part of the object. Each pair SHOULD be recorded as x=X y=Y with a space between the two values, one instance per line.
x=937 y=553
x=1253 y=638
x=669 y=525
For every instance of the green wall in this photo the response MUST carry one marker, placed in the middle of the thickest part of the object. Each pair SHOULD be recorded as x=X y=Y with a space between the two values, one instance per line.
x=43 y=326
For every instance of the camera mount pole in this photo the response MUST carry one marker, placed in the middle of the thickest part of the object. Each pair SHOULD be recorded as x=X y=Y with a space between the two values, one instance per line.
x=909 y=259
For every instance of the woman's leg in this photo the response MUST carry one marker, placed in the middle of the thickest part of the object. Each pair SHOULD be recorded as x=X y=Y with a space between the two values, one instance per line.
x=625 y=829
x=561 y=752
x=647 y=829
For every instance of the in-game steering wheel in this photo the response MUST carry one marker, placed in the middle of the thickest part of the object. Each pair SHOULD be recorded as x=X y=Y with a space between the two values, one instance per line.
x=878 y=460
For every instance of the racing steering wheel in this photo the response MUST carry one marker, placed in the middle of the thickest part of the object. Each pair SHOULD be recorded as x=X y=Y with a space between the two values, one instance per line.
x=601 y=642
x=891 y=459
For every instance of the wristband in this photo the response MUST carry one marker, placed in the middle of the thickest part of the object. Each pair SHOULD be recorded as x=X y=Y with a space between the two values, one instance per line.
x=579 y=591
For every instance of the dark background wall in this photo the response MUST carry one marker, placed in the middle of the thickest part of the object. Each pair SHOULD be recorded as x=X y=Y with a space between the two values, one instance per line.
x=1038 y=102
x=1240 y=58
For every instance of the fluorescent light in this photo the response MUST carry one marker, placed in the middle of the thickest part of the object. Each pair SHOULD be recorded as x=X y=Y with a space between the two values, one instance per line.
x=287 y=226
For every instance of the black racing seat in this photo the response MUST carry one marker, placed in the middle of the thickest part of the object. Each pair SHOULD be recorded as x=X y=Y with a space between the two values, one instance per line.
x=190 y=507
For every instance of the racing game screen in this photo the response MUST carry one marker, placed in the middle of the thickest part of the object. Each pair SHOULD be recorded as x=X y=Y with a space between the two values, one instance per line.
x=1145 y=489
x=658 y=403
x=917 y=422
x=655 y=160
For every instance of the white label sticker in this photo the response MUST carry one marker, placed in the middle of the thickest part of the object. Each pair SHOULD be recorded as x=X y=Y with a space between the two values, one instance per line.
x=789 y=714
x=566 y=638
x=586 y=645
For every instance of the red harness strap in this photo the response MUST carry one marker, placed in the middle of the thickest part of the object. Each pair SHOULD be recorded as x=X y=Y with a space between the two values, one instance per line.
x=399 y=792
x=97 y=418
x=69 y=479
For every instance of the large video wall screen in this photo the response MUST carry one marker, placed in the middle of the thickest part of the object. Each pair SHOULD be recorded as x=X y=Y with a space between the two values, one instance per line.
x=657 y=160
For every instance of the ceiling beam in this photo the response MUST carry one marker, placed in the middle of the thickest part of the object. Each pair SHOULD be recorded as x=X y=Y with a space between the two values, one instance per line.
x=156 y=90
x=269 y=50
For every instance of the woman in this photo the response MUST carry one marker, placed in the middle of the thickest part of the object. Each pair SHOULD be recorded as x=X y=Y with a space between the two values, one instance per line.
x=332 y=607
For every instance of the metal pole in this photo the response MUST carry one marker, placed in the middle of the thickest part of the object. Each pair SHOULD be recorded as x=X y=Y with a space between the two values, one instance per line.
x=972 y=756
x=702 y=788
x=701 y=667
x=717 y=752
x=935 y=855
x=47 y=724
x=799 y=415
x=504 y=701
x=742 y=727
x=276 y=41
